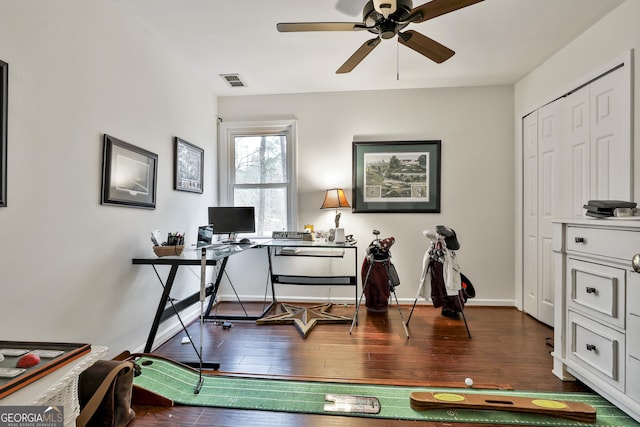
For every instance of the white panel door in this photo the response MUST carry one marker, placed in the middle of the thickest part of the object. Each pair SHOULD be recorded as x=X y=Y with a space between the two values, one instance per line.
x=530 y=213
x=575 y=149
x=576 y=138
x=550 y=196
x=610 y=148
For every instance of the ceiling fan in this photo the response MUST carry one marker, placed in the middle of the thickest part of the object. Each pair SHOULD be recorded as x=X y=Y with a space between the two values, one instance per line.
x=386 y=19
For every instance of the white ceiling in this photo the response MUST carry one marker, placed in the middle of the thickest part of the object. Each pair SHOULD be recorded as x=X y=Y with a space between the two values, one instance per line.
x=496 y=42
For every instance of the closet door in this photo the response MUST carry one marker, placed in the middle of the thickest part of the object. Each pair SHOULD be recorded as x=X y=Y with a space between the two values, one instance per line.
x=577 y=136
x=530 y=213
x=597 y=136
x=610 y=149
x=575 y=149
x=550 y=192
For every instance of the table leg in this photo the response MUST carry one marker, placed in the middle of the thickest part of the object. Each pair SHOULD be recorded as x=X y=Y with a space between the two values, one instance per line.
x=163 y=301
x=216 y=286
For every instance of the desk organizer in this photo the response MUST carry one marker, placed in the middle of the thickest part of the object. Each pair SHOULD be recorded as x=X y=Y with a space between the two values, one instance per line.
x=168 y=250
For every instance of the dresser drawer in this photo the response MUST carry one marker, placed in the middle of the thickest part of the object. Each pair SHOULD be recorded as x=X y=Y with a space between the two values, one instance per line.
x=597 y=290
x=621 y=244
x=599 y=349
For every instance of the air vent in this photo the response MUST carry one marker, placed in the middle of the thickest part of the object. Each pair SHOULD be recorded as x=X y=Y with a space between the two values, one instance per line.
x=234 y=80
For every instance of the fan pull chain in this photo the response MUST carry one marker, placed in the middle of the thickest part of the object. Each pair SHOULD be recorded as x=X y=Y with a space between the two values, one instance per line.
x=398 y=61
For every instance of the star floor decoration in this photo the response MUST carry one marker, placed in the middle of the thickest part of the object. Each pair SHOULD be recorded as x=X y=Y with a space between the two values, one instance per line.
x=304 y=318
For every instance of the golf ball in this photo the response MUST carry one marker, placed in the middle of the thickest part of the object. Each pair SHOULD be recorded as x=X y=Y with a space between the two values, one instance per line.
x=468 y=382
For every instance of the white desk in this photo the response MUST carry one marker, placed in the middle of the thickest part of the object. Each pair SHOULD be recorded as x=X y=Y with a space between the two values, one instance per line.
x=314 y=249
x=59 y=388
x=214 y=255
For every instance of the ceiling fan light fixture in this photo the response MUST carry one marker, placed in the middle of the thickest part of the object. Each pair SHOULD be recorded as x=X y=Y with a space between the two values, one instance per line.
x=385 y=7
x=387 y=30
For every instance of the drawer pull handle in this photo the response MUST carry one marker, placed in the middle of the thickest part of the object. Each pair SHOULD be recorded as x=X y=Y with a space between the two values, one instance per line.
x=591 y=347
x=579 y=239
x=591 y=290
x=635 y=263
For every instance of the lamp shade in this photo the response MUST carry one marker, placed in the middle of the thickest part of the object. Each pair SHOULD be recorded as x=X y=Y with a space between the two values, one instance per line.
x=335 y=199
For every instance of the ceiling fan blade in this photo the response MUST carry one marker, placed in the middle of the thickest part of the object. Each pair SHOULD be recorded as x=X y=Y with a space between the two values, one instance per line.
x=286 y=27
x=358 y=55
x=425 y=46
x=436 y=8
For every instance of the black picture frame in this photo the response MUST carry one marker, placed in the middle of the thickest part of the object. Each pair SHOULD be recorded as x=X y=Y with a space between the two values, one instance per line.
x=4 y=114
x=396 y=176
x=129 y=175
x=188 y=169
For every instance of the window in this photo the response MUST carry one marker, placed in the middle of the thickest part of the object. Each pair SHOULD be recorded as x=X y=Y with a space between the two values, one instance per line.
x=257 y=168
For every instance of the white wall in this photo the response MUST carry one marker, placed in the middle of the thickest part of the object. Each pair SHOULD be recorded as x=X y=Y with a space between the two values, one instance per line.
x=476 y=129
x=610 y=38
x=77 y=70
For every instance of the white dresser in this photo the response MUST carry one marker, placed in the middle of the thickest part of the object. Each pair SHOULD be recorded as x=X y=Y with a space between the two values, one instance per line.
x=597 y=307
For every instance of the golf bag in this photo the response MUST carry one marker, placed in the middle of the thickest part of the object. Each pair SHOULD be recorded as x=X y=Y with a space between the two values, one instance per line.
x=451 y=304
x=379 y=276
x=441 y=278
x=379 y=279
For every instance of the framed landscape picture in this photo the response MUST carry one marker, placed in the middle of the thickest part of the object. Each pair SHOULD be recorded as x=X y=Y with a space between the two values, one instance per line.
x=188 y=168
x=128 y=175
x=396 y=176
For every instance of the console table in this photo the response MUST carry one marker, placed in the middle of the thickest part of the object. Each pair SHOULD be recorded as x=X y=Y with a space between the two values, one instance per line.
x=59 y=388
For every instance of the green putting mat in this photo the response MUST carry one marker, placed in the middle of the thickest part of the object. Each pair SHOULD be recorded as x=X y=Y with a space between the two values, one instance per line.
x=177 y=383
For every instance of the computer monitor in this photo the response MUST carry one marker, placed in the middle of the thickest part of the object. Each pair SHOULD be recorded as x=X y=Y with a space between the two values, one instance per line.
x=232 y=220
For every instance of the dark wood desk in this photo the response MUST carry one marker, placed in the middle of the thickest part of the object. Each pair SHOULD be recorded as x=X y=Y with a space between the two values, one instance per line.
x=215 y=255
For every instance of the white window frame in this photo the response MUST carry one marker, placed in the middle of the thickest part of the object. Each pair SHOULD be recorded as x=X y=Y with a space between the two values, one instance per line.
x=226 y=165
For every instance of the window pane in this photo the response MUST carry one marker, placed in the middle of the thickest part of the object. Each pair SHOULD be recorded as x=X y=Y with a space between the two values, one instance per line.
x=270 y=207
x=260 y=159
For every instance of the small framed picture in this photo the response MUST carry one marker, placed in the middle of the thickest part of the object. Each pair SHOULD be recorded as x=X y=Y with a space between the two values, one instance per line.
x=129 y=175
x=189 y=166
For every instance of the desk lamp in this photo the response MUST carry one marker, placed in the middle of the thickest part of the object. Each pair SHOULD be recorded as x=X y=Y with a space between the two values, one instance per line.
x=336 y=199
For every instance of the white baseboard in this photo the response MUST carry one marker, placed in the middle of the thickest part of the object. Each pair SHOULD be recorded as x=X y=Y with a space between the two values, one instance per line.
x=172 y=326
x=349 y=300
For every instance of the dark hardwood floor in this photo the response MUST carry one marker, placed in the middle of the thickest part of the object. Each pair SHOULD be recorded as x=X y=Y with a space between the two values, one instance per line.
x=507 y=347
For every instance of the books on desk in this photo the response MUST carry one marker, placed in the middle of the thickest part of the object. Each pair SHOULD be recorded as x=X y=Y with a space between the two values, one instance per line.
x=609 y=208
x=292 y=235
